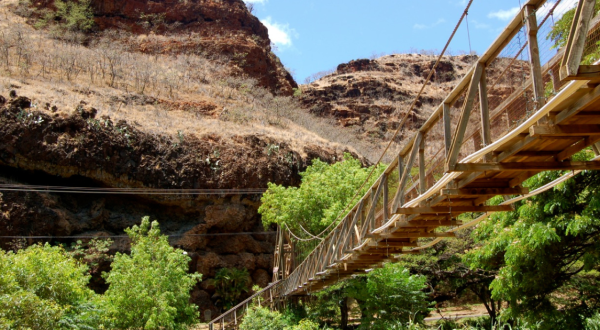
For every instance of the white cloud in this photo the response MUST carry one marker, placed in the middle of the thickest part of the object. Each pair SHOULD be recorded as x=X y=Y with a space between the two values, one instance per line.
x=424 y=26
x=255 y=1
x=563 y=7
x=280 y=34
x=504 y=15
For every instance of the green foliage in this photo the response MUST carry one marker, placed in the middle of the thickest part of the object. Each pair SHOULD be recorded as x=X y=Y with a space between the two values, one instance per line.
x=560 y=33
x=304 y=324
x=393 y=294
x=92 y=253
x=388 y=295
x=262 y=318
x=150 y=288
x=41 y=287
x=323 y=194
x=75 y=15
x=547 y=252
x=230 y=284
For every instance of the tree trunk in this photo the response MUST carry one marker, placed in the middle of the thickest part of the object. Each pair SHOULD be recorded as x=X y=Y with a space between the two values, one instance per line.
x=344 y=311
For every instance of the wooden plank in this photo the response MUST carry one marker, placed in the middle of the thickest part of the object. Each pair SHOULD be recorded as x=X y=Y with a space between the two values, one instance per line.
x=564 y=130
x=516 y=147
x=576 y=147
x=384 y=244
x=534 y=56
x=417 y=235
x=447 y=128
x=484 y=191
x=576 y=39
x=526 y=166
x=585 y=72
x=582 y=102
x=422 y=182
x=459 y=134
x=429 y=223
x=455 y=209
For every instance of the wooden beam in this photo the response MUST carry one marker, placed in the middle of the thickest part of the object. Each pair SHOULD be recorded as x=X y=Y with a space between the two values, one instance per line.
x=386 y=210
x=525 y=166
x=577 y=146
x=459 y=134
x=582 y=102
x=484 y=110
x=467 y=192
x=585 y=72
x=398 y=200
x=417 y=235
x=534 y=56
x=447 y=128
x=422 y=181
x=428 y=223
x=384 y=244
x=455 y=209
x=411 y=159
x=564 y=130
x=576 y=40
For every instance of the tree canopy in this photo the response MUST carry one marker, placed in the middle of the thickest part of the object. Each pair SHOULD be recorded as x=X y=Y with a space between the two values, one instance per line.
x=323 y=194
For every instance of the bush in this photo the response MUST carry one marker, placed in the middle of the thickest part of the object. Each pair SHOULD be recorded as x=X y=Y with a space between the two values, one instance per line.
x=41 y=287
x=150 y=288
x=262 y=318
x=230 y=284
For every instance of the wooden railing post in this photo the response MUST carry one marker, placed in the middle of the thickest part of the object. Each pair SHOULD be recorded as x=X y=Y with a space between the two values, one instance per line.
x=576 y=41
x=398 y=199
x=534 y=57
x=386 y=212
x=447 y=128
x=422 y=181
x=459 y=135
x=486 y=134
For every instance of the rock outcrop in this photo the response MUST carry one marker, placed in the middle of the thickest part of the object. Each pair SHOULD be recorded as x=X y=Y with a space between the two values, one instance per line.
x=224 y=30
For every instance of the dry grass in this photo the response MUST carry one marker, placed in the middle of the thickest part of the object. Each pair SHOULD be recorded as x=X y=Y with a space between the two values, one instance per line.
x=160 y=94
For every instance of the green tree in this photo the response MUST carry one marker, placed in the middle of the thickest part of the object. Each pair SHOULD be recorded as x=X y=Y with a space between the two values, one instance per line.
x=41 y=287
x=150 y=289
x=388 y=294
x=262 y=318
x=560 y=33
x=323 y=194
x=230 y=284
x=547 y=253
x=75 y=15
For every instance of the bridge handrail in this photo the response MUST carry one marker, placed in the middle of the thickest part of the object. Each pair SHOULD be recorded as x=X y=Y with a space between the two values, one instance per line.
x=245 y=303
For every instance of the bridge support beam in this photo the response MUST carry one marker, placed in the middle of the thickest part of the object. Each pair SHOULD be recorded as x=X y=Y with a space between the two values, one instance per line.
x=459 y=134
x=526 y=166
x=534 y=56
x=569 y=68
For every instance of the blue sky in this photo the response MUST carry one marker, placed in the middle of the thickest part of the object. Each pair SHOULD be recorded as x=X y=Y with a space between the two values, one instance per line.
x=317 y=35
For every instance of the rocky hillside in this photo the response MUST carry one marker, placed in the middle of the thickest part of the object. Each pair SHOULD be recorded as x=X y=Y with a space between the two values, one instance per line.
x=223 y=30
x=136 y=105
x=369 y=97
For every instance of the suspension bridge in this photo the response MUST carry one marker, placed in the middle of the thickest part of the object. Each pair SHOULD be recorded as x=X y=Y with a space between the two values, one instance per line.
x=523 y=108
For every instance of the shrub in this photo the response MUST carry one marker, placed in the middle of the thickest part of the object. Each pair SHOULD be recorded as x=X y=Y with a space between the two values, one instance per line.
x=150 y=288
x=75 y=15
x=262 y=318
x=230 y=284
x=41 y=287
